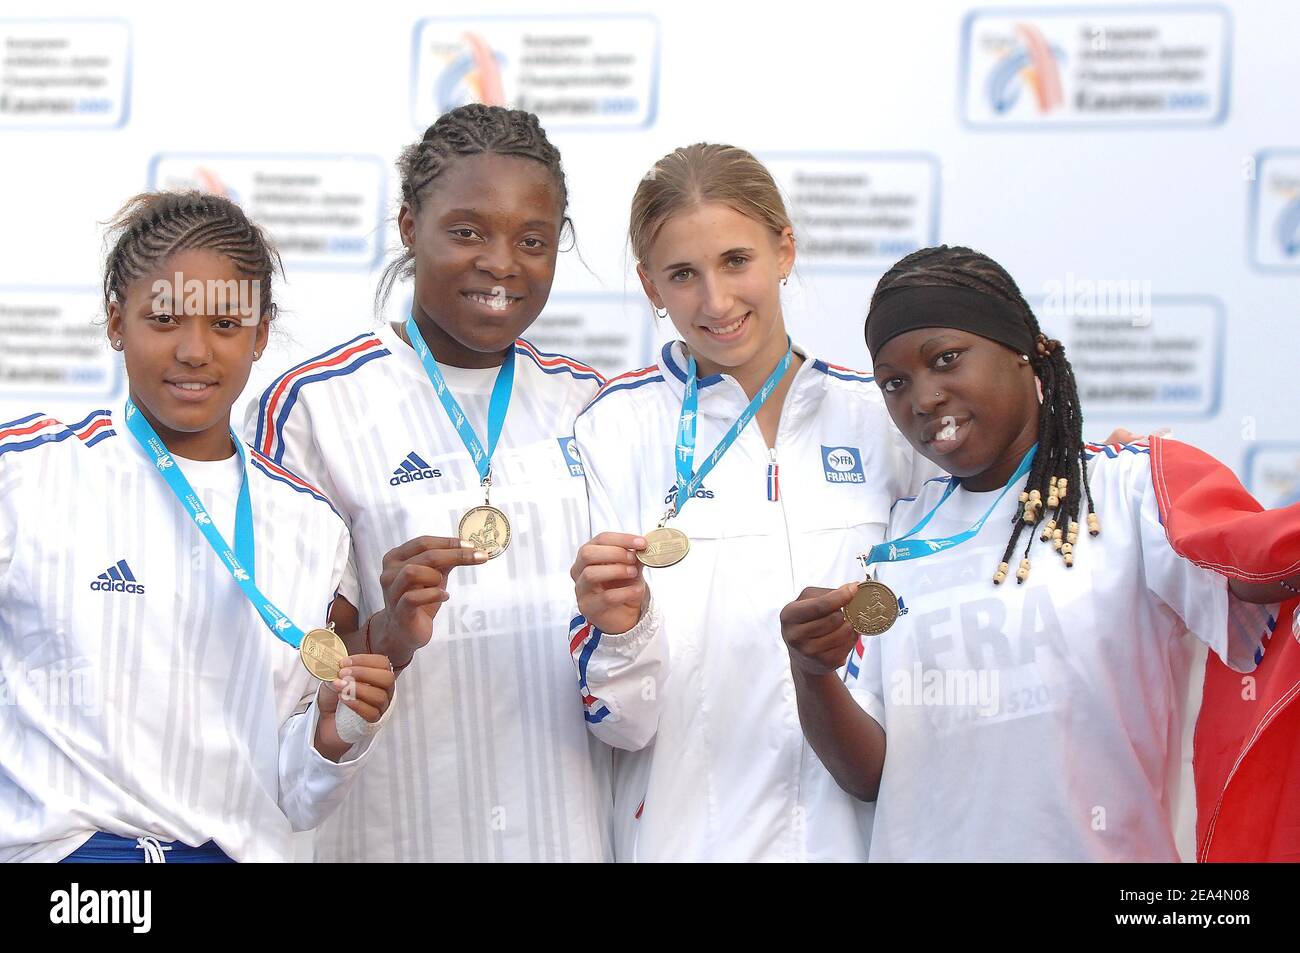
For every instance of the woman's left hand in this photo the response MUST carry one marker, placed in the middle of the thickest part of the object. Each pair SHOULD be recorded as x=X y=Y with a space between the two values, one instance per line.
x=365 y=684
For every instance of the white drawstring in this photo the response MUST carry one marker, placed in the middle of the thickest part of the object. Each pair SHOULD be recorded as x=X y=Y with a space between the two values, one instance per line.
x=153 y=851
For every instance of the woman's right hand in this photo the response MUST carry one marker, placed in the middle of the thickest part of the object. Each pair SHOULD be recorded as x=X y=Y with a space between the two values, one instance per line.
x=612 y=593
x=816 y=632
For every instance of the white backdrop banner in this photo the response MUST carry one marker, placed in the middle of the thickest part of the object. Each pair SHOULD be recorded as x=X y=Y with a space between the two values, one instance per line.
x=1136 y=167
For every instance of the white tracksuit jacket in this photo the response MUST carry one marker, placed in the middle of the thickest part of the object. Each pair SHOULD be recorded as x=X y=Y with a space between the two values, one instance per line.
x=698 y=698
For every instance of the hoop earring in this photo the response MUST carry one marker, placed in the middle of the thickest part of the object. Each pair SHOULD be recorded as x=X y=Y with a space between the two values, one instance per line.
x=661 y=313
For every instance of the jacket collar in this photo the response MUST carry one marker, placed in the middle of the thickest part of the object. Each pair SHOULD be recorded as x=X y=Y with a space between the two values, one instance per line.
x=722 y=396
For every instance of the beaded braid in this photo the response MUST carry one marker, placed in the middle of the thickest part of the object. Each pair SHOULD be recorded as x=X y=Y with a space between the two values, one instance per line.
x=1057 y=484
x=153 y=226
x=467 y=131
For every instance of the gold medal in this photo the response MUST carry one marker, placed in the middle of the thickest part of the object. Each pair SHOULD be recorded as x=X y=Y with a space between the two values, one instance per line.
x=487 y=528
x=873 y=610
x=665 y=546
x=322 y=652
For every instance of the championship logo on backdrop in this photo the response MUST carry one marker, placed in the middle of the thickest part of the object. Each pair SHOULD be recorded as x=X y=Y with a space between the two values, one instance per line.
x=1273 y=473
x=1040 y=66
x=575 y=72
x=859 y=211
x=1137 y=355
x=1029 y=62
x=322 y=211
x=65 y=74
x=472 y=77
x=1275 y=202
x=52 y=346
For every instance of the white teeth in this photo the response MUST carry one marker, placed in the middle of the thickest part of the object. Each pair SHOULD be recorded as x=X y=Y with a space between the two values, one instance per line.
x=949 y=430
x=729 y=328
x=495 y=302
x=192 y=386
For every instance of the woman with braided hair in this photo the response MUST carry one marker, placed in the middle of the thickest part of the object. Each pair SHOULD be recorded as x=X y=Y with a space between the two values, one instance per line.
x=157 y=580
x=446 y=427
x=1059 y=598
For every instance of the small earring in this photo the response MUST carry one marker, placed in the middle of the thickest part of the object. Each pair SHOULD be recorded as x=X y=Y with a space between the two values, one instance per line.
x=937 y=394
x=256 y=355
x=661 y=312
x=1024 y=357
x=117 y=345
x=785 y=279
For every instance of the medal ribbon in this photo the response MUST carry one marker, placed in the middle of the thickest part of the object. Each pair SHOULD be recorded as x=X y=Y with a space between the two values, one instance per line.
x=497 y=407
x=896 y=550
x=238 y=561
x=689 y=481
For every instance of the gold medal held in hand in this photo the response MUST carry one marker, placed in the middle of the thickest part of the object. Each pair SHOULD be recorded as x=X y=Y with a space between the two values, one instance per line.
x=487 y=528
x=873 y=610
x=665 y=547
x=323 y=652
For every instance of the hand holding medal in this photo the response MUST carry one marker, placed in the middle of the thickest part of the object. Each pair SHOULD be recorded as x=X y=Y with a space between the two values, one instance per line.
x=612 y=593
x=414 y=579
x=816 y=631
x=364 y=685
x=875 y=607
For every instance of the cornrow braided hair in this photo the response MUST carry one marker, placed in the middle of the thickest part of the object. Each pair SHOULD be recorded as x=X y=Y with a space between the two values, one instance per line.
x=1057 y=485
x=469 y=130
x=153 y=226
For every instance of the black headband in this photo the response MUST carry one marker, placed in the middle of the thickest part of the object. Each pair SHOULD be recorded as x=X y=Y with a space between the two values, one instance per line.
x=945 y=306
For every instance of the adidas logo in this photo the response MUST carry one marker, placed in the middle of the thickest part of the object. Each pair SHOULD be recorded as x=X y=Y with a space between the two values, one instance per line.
x=118 y=578
x=412 y=469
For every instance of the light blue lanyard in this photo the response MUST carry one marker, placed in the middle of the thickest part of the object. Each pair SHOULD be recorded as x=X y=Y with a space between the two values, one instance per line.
x=687 y=481
x=239 y=561
x=497 y=407
x=896 y=550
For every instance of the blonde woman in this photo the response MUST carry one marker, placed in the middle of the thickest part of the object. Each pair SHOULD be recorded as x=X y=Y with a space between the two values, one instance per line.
x=767 y=467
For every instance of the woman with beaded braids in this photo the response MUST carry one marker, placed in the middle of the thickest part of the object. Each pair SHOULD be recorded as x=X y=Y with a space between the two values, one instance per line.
x=445 y=427
x=1059 y=598
x=156 y=578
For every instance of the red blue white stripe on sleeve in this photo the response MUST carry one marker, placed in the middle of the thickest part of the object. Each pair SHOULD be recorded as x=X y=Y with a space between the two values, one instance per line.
x=278 y=400
x=278 y=473
x=558 y=363
x=36 y=430
x=583 y=639
x=629 y=381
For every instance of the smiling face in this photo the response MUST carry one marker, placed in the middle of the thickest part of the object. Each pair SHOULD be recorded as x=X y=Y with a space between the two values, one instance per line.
x=187 y=359
x=964 y=402
x=719 y=273
x=484 y=241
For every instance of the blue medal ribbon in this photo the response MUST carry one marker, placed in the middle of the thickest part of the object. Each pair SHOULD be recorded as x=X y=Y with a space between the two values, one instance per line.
x=899 y=549
x=239 y=560
x=689 y=481
x=497 y=407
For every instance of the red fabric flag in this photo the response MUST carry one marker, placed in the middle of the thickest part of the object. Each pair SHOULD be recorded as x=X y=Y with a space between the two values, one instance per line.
x=1247 y=745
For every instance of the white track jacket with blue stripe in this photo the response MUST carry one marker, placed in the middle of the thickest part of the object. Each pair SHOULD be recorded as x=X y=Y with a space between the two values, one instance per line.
x=711 y=763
